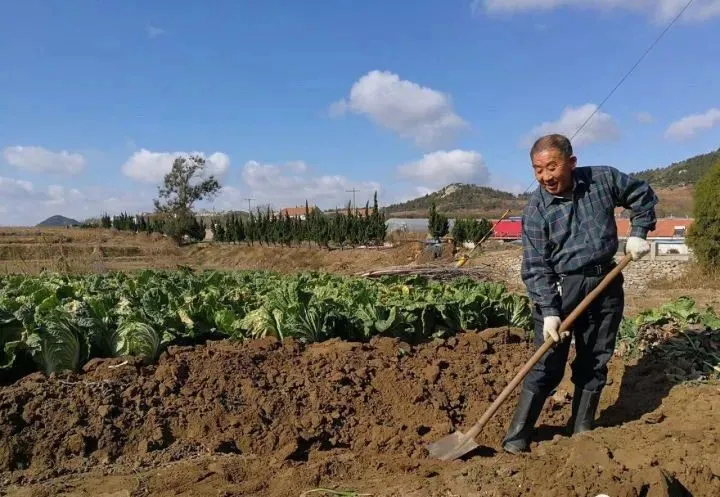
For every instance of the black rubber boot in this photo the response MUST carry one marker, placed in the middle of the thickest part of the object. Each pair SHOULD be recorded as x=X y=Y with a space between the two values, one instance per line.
x=584 y=405
x=526 y=415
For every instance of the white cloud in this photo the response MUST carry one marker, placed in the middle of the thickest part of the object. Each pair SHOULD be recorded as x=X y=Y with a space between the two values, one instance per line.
x=438 y=169
x=27 y=205
x=657 y=10
x=414 y=112
x=154 y=31
x=152 y=167
x=288 y=185
x=689 y=126
x=601 y=127
x=298 y=166
x=644 y=117
x=16 y=188
x=40 y=160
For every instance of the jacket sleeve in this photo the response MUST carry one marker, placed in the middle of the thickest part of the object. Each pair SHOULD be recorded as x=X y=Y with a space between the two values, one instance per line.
x=639 y=198
x=536 y=273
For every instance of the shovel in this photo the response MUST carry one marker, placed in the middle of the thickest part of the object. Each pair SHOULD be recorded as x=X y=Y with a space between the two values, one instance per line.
x=458 y=444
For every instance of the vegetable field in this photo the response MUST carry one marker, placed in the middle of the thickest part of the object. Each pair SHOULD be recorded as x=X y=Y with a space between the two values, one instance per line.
x=687 y=337
x=56 y=323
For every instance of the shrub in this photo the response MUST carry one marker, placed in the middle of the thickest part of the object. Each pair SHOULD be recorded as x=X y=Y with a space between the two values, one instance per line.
x=704 y=234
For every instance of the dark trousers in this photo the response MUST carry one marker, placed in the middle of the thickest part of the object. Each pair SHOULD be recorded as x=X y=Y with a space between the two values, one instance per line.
x=594 y=331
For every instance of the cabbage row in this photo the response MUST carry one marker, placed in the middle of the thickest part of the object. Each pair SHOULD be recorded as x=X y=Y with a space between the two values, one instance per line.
x=57 y=323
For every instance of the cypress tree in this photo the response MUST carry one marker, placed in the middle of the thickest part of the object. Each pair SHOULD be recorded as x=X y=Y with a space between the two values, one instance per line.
x=704 y=234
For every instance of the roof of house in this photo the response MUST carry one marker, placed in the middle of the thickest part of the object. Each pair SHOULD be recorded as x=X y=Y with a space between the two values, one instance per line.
x=295 y=211
x=665 y=227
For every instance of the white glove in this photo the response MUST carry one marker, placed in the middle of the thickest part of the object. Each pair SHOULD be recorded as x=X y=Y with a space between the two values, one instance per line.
x=637 y=247
x=551 y=325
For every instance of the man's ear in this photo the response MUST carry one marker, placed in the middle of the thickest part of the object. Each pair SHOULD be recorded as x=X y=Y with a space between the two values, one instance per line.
x=572 y=161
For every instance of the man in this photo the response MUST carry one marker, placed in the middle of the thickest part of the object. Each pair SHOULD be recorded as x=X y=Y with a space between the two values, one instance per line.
x=569 y=241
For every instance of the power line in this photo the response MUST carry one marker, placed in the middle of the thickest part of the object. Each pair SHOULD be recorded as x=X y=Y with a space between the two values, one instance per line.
x=627 y=74
x=632 y=69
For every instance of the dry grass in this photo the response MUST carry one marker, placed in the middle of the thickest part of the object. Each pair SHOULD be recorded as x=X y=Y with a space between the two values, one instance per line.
x=694 y=277
x=402 y=237
x=285 y=260
x=676 y=202
x=76 y=251
x=32 y=250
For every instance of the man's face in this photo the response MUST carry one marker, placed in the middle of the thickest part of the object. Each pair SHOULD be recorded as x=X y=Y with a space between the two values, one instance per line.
x=553 y=171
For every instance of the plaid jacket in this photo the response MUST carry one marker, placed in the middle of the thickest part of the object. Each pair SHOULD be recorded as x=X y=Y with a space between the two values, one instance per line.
x=565 y=235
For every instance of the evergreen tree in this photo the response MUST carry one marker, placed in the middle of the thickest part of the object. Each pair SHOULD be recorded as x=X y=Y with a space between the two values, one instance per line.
x=252 y=229
x=105 y=221
x=470 y=230
x=230 y=236
x=704 y=234
x=458 y=232
x=218 y=230
x=438 y=224
x=239 y=227
x=196 y=231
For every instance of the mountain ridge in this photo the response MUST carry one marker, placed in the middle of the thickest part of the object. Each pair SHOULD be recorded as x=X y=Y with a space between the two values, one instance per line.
x=683 y=173
x=674 y=184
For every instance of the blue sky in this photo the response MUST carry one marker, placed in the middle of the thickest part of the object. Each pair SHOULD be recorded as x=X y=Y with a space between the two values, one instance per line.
x=289 y=100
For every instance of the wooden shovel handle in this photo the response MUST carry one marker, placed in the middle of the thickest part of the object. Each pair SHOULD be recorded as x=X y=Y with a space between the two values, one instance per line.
x=564 y=326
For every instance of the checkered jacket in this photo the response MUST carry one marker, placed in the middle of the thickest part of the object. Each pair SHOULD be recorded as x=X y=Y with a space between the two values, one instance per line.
x=565 y=235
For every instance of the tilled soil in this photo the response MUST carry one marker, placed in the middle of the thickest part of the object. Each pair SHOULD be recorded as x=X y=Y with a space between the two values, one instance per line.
x=275 y=419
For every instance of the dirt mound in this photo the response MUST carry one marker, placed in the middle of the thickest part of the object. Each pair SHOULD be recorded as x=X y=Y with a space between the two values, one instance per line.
x=261 y=398
x=276 y=419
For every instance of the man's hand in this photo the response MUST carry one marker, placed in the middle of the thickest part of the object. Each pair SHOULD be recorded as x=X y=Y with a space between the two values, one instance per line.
x=637 y=247
x=551 y=326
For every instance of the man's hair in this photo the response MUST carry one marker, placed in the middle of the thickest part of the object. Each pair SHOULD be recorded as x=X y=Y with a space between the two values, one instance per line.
x=556 y=141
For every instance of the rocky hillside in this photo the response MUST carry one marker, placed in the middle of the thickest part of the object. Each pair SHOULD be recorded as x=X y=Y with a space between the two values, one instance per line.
x=458 y=200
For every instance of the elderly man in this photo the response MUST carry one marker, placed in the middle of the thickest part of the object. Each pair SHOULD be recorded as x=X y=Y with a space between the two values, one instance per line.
x=569 y=241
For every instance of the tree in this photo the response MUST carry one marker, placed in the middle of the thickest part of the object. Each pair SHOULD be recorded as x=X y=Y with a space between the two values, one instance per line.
x=470 y=230
x=459 y=232
x=704 y=234
x=438 y=224
x=182 y=187
x=196 y=231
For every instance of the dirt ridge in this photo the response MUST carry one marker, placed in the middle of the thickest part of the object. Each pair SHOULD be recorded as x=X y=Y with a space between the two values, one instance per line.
x=271 y=418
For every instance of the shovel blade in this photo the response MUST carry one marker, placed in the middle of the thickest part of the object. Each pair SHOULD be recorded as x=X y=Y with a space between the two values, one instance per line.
x=451 y=447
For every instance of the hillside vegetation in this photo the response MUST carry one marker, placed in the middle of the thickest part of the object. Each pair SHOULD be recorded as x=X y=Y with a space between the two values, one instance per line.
x=674 y=185
x=683 y=173
x=461 y=200
x=58 y=221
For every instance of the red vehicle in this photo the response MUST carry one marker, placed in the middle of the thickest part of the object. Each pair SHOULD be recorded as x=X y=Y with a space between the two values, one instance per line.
x=507 y=229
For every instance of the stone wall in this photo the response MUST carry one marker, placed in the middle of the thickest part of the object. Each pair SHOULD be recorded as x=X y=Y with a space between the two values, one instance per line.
x=639 y=273
x=505 y=266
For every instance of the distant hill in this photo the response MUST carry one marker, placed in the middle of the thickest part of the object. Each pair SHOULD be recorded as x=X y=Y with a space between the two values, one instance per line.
x=54 y=221
x=460 y=200
x=674 y=185
x=679 y=174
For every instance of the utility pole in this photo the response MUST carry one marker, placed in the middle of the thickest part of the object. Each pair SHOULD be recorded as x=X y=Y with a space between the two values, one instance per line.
x=354 y=191
x=248 y=201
